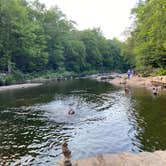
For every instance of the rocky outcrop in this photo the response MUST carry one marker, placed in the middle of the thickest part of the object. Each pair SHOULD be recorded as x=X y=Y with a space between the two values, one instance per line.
x=105 y=76
x=157 y=158
x=159 y=81
x=148 y=82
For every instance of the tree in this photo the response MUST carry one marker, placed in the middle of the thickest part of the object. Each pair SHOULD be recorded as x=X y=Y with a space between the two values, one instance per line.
x=150 y=33
x=35 y=39
x=22 y=38
x=57 y=29
x=13 y=21
x=75 y=56
x=93 y=56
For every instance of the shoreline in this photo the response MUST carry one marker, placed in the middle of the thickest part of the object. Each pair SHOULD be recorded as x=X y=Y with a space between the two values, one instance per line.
x=149 y=83
x=157 y=158
x=112 y=78
x=19 y=86
x=135 y=81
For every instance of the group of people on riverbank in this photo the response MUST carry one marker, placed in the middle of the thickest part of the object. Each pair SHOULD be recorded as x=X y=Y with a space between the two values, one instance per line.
x=131 y=73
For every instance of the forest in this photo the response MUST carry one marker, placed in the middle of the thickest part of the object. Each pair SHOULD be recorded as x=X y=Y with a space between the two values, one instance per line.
x=35 y=40
x=145 y=47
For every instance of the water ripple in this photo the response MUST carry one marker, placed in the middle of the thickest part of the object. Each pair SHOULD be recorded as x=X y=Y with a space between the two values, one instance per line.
x=33 y=126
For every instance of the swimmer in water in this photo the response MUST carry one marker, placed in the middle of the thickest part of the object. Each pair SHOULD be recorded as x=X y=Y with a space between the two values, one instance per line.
x=71 y=111
x=155 y=91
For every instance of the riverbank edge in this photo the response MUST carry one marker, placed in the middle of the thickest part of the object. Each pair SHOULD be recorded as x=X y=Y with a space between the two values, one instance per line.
x=38 y=81
x=135 y=81
x=157 y=158
x=19 y=86
x=112 y=78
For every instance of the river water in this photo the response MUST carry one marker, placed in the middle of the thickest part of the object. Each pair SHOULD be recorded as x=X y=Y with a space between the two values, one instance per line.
x=34 y=122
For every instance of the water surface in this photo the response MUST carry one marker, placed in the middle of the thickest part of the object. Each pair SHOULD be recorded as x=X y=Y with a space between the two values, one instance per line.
x=34 y=122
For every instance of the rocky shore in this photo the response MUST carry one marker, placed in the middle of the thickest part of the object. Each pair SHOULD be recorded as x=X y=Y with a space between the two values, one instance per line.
x=134 y=81
x=148 y=82
x=158 y=158
x=113 y=78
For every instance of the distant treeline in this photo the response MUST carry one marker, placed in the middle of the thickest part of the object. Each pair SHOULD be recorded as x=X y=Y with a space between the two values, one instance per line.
x=34 y=39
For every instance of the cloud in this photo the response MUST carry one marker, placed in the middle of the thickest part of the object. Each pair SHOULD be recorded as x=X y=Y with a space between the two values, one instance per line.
x=112 y=16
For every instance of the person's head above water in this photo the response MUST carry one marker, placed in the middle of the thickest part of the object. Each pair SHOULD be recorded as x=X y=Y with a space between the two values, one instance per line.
x=71 y=111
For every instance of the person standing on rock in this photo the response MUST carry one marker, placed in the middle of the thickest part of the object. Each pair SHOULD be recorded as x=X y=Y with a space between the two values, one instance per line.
x=129 y=73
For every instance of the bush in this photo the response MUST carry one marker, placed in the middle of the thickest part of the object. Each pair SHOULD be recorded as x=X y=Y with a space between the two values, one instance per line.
x=146 y=71
x=2 y=79
x=18 y=76
x=10 y=79
x=160 y=72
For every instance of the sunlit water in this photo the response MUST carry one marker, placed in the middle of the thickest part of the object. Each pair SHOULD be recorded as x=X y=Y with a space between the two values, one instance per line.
x=34 y=122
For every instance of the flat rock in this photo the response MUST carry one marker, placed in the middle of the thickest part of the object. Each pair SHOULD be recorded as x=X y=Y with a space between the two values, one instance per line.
x=157 y=158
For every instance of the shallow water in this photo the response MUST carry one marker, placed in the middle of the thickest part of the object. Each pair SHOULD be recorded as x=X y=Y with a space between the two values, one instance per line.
x=34 y=122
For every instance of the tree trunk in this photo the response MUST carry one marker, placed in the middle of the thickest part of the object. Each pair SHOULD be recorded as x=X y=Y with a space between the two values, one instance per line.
x=9 y=67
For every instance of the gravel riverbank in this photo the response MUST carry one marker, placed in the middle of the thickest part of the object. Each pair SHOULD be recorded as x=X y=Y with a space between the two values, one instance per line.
x=19 y=86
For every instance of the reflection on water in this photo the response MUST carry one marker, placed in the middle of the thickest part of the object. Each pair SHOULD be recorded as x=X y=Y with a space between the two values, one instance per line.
x=34 y=122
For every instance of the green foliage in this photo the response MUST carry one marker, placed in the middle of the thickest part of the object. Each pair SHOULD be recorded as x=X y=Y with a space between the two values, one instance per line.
x=159 y=72
x=93 y=55
x=2 y=79
x=18 y=76
x=36 y=40
x=146 y=45
x=10 y=79
x=75 y=56
x=145 y=71
x=15 y=77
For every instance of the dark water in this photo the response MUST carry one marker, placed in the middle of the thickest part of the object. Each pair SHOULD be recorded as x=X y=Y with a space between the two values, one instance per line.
x=34 y=122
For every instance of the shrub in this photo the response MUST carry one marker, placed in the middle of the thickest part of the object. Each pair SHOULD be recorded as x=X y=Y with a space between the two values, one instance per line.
x=10 y=79
x=159 y=72
x=146 y=71
x=18 y=76
x=2 y=79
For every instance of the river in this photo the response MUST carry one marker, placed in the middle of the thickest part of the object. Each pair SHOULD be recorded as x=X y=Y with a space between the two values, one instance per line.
x=34 y=122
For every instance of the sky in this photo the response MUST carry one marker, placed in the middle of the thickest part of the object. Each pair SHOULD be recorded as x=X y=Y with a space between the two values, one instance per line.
x=112 y=16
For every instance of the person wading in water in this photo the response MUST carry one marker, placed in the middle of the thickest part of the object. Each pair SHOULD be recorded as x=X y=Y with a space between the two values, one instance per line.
x=155 y=91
